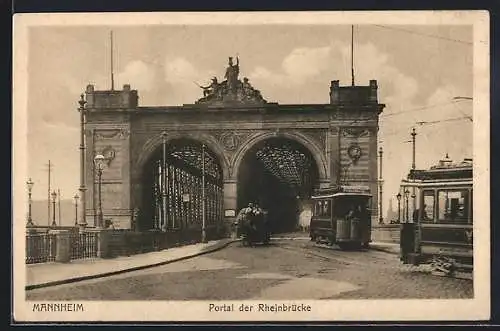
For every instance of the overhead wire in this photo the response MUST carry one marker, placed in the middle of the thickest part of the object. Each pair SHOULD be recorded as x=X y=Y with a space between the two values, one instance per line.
x=424 y=34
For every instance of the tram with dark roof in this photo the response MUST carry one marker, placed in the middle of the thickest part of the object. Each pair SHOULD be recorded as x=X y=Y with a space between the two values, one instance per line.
x=438 y=229
x=341 y=216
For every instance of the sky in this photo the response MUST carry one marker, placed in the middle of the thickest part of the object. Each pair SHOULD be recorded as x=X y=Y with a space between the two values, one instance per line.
x=419 y=69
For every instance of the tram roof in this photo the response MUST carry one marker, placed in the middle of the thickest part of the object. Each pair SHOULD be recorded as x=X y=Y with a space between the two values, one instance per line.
x=436 y=183
x=339 y=194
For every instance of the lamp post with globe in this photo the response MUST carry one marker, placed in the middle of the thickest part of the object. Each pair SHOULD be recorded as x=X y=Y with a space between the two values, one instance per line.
x=99 y=161
x=29 y=184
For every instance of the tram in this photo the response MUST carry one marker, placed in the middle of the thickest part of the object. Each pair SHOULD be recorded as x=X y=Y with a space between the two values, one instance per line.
x=342 y=217
x=439 y=231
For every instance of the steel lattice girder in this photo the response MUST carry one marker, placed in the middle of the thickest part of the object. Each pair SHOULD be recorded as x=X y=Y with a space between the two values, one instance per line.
x=286 y=163
x=192 y=156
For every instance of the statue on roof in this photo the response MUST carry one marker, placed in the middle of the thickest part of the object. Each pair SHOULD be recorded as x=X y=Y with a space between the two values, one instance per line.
x=232 y=72
x=210 y=89
x=232 y=89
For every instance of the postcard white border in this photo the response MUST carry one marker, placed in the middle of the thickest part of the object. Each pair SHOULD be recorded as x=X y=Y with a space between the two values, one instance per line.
x=336 y=310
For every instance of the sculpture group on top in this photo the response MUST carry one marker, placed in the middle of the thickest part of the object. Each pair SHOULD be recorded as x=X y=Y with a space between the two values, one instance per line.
x=232 y=89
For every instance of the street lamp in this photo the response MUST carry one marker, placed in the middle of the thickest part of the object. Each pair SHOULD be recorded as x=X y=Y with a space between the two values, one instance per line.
x=82 y=110
x=398 y=196
x=29 y=184
x=99 y=166
x=76 y=197
x=54 y=197
x=414 y=199
x=381 y=184
x=407 y=195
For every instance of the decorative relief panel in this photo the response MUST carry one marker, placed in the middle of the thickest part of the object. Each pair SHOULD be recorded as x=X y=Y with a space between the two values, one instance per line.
x=112 y=196
x=355 y=153
x=231 y=140
x=350 y=115
x=111 y=133
x=317 y=135
x=112 y=152
x=355 y=132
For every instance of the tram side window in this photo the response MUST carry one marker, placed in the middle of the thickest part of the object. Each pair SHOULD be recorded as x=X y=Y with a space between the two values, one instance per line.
x=453 y=206
x=428 y=215
x=322 y=208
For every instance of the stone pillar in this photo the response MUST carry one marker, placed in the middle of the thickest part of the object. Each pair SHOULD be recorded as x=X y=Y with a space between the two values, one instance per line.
x=373 y=173
x=103 y=242
x=334 y=154
x=230 y=203
x=63 y=245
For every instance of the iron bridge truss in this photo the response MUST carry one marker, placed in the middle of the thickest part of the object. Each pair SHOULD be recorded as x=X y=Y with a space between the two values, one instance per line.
x=178 y=192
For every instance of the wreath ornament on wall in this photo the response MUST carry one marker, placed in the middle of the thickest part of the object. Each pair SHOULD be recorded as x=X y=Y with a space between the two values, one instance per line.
x=354 y=152
x=109 y=154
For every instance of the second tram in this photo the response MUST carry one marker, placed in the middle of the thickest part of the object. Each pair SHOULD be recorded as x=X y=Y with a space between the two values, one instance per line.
x=439 y=230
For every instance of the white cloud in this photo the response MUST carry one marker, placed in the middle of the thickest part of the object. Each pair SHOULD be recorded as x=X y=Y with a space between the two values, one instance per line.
x=138 y=74
x=303 y=63
x=183 y=77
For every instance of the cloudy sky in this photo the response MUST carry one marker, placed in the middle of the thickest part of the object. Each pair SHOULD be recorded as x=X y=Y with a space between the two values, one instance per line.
x=420 y=69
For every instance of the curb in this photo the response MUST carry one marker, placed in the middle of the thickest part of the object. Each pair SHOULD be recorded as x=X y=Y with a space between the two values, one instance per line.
x=214 y=248
x=384 y=249
x=290 y=238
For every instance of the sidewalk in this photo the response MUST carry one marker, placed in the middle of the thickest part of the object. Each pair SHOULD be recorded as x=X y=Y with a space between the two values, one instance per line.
x=50 y=274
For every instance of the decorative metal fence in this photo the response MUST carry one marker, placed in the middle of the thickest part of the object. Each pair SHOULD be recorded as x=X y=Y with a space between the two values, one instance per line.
x=40 y=247
x=41 y=244
x=83 y=245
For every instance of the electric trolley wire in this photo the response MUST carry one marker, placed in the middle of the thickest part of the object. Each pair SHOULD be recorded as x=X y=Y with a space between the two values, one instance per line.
x=445 y=120
x=418 y=109
x=424 y=34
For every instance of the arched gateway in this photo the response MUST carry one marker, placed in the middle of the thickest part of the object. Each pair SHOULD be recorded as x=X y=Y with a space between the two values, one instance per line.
x=229 y=148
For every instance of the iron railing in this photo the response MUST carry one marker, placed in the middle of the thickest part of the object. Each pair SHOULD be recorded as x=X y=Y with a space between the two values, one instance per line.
x=83 y=245
x=40 y=247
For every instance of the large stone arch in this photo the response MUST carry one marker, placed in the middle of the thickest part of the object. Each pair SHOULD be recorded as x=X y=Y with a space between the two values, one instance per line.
x=155 y=142
x=308 y=143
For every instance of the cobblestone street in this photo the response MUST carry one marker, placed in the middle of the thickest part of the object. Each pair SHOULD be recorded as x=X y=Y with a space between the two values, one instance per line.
x=285 y=270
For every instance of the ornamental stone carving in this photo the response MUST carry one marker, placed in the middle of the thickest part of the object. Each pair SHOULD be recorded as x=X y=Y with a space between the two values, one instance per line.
x=317 y=135
x=232 y=90
x=355 y=132
x=231 y=140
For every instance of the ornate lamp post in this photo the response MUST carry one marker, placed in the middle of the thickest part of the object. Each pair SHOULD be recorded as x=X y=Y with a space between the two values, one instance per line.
x=381 y=184
x=82 y=188
x=29 y=184
x=76 y=197
x=407 y=195
x=54 y=197
x=99 y=166
x=398 y=196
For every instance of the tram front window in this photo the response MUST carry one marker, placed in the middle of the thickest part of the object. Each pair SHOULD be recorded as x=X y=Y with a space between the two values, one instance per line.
x=355 y=206
x=453 y=206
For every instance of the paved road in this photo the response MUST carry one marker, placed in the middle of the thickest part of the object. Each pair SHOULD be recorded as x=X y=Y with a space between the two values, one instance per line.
x=284 y=270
